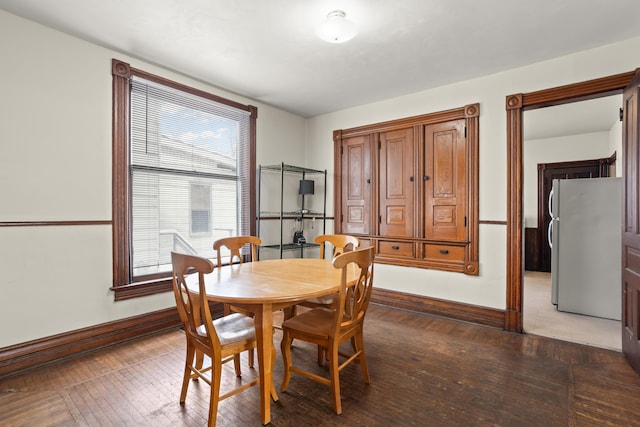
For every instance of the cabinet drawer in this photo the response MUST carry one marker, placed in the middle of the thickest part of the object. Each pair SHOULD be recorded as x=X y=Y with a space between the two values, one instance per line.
x=403 y=249
x=444 y=252
x=365 y=243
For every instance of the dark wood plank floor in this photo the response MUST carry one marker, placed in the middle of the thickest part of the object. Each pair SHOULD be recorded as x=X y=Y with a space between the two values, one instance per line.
x=424 y=371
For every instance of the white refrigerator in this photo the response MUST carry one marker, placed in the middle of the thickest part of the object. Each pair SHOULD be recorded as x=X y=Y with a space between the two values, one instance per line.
x=585 y=237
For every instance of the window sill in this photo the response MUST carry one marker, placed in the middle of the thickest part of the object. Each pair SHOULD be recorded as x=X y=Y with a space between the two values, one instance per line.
x=141 y=289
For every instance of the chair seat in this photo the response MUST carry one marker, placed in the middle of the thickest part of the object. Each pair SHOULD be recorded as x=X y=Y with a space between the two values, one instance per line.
x=235 y=327
x=324 y=300
x=317 y=322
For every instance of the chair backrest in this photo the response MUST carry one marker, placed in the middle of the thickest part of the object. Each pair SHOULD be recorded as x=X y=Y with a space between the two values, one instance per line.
x=341 y=243
x=235 y=244
x=193 y=308
x=354 y=297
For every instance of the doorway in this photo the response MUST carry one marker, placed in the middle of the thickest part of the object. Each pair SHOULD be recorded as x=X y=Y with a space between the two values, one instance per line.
x=561 y=154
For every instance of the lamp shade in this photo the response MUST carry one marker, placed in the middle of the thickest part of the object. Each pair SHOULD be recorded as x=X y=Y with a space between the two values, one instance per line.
x=336 y=28
x=306 y=186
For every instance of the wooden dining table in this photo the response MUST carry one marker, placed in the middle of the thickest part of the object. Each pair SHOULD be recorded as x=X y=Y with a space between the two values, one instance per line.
x=263 y=287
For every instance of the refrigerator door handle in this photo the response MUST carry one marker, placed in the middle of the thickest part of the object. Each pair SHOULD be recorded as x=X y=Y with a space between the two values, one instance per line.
x=549 y=202
x=549 y=230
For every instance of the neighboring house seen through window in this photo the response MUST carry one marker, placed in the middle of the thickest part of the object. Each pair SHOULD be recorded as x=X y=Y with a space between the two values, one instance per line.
x=201 y=209
x=184 y=163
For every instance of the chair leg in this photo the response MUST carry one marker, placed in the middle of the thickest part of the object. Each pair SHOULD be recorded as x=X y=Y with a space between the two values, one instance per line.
x=187 y=372
x=236 y=365
x=334 y=375
x=274 y=393
x=285 y=347
x=359 y=344
x=216 y=373
x=199 y=362
x=250 y=358
x=321 y=355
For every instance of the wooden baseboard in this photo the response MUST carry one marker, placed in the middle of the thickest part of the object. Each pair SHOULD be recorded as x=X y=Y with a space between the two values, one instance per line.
x=450 y=309
x=33 y=353
x=37 y=352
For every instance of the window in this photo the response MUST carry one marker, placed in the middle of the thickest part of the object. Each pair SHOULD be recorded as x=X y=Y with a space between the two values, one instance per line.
x=183 y=176
x=200 y=209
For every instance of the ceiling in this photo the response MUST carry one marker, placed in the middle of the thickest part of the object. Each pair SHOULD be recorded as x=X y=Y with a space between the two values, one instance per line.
x=268 y=51
x=594 y=115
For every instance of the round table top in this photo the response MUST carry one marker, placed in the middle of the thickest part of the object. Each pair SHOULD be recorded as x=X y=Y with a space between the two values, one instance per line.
x=271 y=281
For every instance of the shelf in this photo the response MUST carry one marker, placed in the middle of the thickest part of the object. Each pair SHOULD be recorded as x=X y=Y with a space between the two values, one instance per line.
x=291 y=246
x=292 y=214
x=275 y=177
x=289 y=168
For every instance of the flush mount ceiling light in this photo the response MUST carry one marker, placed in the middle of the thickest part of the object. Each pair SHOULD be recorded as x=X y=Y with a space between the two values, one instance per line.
x=336 y=28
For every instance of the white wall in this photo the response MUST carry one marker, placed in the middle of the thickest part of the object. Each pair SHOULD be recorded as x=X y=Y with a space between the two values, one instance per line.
x=615 y=146
x=489 y=288
x=551 y=150
x=55 y=165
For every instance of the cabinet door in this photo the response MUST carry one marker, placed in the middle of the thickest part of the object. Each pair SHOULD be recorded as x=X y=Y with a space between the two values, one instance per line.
x=445 y=181
x=356 y=185
x=397 y=183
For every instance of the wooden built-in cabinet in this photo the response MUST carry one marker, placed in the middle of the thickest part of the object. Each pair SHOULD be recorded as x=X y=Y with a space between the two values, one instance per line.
x=410 y=187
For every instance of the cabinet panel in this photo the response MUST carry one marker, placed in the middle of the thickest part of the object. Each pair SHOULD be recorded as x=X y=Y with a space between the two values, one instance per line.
x=397 y=190
x=445 y=189
x=356 y=192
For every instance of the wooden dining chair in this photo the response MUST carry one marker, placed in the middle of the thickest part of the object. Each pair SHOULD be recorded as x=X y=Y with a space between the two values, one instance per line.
x=341 y=243
x=222 y=339
x=235 y=245
x=330 y=327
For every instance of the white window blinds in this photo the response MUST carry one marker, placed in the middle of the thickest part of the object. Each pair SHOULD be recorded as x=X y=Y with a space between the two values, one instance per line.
x=190 y=172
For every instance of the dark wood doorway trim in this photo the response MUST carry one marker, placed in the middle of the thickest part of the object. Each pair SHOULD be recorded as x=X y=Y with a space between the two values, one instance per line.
x=515 y=105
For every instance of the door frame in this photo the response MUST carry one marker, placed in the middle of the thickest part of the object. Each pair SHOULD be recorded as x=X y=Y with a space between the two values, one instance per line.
x=516 y=104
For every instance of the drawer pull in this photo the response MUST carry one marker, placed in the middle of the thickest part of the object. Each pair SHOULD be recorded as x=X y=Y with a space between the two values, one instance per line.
x=395 y=248
x=444 y=251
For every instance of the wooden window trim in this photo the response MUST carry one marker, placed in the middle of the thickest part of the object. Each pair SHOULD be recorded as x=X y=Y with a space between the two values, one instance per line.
x=124 y=286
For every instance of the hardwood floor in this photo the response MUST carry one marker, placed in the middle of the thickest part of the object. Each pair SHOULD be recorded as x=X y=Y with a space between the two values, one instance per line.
x=424 y=371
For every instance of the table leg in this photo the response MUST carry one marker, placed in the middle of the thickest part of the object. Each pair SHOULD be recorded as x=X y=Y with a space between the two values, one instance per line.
x=264 y=342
